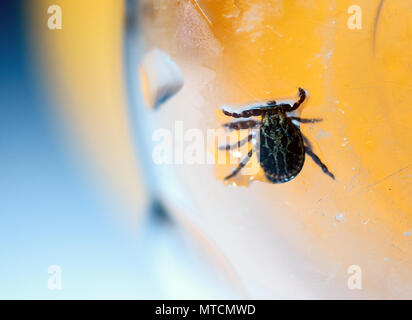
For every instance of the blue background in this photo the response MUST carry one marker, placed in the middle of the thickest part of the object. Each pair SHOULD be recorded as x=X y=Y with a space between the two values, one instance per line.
x=48 y=214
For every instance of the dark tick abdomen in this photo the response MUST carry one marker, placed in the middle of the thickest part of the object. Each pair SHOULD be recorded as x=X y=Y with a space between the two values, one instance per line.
x=281 y=152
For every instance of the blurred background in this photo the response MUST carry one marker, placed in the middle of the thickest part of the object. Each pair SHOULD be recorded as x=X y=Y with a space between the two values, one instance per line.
x=79 y=190
x=71 y=194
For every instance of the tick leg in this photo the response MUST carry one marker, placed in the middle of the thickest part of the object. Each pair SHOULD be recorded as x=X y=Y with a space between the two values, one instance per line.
x=258 y=111
x=254 y=111
x=240 y=125
x=306 y=141
x=241 y=165
x=262 y=109
x=238 y=144
x=316 y=159
x=302 y=96
x=301 y=120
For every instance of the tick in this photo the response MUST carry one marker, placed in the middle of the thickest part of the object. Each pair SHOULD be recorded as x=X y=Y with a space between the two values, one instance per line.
x=282 y=146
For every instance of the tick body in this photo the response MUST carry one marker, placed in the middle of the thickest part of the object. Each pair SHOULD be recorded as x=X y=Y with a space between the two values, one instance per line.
x=282 y=146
